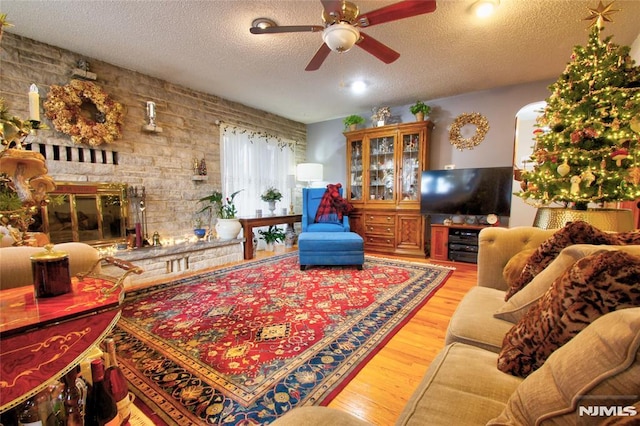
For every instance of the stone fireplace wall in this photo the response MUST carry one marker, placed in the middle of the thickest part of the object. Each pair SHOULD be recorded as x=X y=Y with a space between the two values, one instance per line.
x=161 y=162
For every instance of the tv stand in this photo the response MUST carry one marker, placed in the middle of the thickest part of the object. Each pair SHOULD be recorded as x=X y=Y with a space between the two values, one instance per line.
x=455 y=242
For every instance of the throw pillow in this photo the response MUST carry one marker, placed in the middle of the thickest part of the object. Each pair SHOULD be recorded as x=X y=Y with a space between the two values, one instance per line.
x=593 y=286
x=515 y=265
x=518 y=305
x=599 y=367
x=579 y=232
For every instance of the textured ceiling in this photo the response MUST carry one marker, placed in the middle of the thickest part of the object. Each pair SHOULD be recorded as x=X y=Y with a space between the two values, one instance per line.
x=206 y=45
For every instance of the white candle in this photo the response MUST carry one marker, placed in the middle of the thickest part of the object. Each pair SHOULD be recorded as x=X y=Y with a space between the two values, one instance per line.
x=151 y=109
x=34 y=103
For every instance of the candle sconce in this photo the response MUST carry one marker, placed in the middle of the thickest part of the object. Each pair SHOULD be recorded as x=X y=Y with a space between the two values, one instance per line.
x=82 y=71
x=151 y=116
x=34 y=106
x=137 y=201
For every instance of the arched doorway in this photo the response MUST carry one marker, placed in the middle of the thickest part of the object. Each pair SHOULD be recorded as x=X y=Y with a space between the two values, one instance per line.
x=523 y=214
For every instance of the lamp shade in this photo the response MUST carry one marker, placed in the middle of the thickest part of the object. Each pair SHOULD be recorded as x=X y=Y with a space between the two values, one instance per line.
x=309 y=172
x=340 y=37
x=291 y=181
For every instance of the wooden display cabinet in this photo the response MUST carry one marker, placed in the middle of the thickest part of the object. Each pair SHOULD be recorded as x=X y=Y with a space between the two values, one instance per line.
x=384 y=167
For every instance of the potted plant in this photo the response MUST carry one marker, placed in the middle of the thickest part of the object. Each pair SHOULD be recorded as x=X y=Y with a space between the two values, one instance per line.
x=227 y=225
x=420 y=110
x=351 y=122
x=271 y=195
x=271 y=236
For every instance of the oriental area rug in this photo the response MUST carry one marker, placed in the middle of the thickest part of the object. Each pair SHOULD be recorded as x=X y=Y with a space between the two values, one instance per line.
x=244 y=344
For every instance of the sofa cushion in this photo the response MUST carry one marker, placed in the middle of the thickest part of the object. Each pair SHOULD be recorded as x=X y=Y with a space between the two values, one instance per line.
x=578 y=232
x=473 y=322
x=599 y=367
x=81 y=257
x=461 y=387
x=318 y=416
x=593 y=286
x=15 y=266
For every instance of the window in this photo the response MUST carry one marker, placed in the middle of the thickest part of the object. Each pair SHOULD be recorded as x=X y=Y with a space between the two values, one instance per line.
x=254 y=162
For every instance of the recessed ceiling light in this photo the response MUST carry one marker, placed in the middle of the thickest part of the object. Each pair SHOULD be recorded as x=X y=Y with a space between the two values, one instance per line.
x=485 y=8
x=358 y=86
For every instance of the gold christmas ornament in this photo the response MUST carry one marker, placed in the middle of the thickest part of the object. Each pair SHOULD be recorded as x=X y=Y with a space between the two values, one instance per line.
x=475 y=118
x=635 y=124
x=564 y=169
x=634 y=175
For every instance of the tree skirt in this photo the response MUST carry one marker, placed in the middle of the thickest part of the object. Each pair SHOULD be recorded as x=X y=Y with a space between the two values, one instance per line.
x=245 y=344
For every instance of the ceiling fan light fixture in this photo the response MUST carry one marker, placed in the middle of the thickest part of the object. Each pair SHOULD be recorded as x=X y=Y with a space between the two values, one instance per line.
x=340 y=37
x=263 y=23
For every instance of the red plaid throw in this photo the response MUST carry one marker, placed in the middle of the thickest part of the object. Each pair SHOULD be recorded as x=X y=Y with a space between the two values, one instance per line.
x=332 y=206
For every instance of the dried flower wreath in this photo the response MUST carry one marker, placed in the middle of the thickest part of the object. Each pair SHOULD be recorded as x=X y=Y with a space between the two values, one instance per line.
x=66 y=107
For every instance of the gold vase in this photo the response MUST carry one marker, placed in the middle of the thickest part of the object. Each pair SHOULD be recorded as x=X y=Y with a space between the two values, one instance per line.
x=615 y=220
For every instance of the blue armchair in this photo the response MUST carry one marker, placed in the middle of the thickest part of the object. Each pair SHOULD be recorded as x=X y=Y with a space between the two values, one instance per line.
x=311 y=198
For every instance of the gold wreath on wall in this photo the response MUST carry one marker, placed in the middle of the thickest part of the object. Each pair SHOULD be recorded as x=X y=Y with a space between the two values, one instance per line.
x=84 y=111
x=475 y=118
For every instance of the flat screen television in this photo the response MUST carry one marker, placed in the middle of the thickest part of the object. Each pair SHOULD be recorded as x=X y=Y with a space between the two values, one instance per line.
x=476 y=191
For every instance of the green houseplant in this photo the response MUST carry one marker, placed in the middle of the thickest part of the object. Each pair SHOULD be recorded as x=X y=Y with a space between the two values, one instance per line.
x=221 y=208
x=352 y=121
x=420 y=110
x=272 y=235
x=271 y=194
x=227 y=225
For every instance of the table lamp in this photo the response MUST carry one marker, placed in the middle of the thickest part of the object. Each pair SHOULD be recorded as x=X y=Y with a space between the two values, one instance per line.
x=291 y=184
x=309 y=172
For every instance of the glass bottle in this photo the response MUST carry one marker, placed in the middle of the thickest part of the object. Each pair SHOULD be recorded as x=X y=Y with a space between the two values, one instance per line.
x=103 y=410
x=72 y=401
x=29 y=415
x=116 y=383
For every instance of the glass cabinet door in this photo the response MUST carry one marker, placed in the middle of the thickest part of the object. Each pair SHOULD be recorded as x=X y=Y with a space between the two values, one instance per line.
x=382 y=168
x=355 y=168
x=410 y=164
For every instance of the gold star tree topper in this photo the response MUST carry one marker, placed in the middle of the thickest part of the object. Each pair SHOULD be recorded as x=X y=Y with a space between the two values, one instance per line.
x=601 y=14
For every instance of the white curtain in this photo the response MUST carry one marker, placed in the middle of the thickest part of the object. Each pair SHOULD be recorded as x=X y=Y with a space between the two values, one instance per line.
x=254 y=161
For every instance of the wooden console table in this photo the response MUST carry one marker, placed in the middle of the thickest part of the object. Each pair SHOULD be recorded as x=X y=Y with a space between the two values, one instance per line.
x=43 y=339
x=248 y=223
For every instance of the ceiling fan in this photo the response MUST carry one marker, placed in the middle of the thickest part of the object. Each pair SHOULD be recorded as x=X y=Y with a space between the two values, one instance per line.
x=341 y=29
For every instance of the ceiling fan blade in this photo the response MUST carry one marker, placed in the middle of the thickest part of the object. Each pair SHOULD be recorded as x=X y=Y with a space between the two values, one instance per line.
x=393 y=12
x=377 y=49
x=287 y=29
x=318 y=58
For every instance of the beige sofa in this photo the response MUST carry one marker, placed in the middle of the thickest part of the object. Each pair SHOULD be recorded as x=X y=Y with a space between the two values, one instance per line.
x=15 y=262
x=463 y=385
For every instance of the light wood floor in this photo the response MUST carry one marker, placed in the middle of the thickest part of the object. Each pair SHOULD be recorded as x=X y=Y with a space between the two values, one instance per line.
x=381 y=389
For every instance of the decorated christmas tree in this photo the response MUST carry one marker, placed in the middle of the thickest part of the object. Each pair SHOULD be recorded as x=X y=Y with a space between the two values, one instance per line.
x=587 y=139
